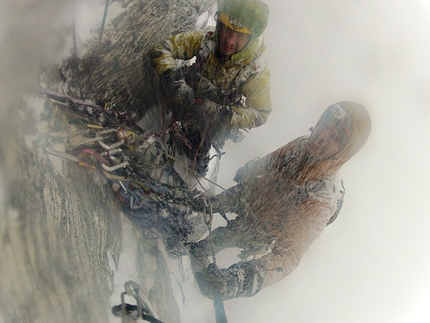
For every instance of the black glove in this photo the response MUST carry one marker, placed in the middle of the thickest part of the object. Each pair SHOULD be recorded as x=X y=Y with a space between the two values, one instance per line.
x=182 y=94
x=206 y=89
x=213 y=113
x=214 y=281
x=239 y=280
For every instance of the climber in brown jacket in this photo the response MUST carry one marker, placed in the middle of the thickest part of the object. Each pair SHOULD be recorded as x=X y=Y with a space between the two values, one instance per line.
x=283 y=202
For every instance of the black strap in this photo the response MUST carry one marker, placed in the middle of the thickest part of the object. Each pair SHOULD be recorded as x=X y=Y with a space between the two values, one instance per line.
x=220 y=315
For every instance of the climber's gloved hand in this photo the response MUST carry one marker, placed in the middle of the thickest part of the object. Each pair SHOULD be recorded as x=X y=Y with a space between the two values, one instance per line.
x=182 y=94
x=243 y=279
x=206 y=89
x=213 y=113
x=217 y=282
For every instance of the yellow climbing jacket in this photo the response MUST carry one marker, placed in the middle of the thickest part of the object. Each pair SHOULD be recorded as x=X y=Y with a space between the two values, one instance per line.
x=244 y=79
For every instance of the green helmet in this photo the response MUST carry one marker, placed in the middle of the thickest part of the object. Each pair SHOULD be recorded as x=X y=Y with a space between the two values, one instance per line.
x=253 y=14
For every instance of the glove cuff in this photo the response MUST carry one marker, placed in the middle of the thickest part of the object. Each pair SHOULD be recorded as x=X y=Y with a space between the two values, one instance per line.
x=249 y=279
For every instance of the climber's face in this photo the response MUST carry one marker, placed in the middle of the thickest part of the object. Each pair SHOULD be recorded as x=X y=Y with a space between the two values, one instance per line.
x=324 y=142
x=331 y=134
x=230 y=41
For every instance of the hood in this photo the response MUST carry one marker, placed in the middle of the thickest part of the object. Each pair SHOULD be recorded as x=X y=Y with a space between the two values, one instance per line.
x=254 y=49
x=352 y=123
x=251 y=51
x=253 y=14
x=358 y=120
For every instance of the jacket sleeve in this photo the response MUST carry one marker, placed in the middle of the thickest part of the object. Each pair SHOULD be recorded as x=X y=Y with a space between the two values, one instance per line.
x=255 y=111
x=269 y=163
x=183 y=46
x=302 y=229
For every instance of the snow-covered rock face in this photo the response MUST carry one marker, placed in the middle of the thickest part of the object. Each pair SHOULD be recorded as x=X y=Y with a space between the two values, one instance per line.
x=62 y=232
x=117 y=68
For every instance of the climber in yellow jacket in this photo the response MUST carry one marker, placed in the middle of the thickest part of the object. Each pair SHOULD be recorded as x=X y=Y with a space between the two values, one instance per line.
x=228 y=86
x=283 y=202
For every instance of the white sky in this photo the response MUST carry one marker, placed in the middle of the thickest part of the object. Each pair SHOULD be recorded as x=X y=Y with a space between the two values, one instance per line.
x=373 y=263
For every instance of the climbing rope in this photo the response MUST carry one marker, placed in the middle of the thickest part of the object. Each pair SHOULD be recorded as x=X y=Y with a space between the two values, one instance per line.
x=130 y=160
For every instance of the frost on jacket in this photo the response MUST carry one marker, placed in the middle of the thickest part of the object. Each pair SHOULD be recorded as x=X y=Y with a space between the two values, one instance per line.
x=254 y=85
x=283 y=202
